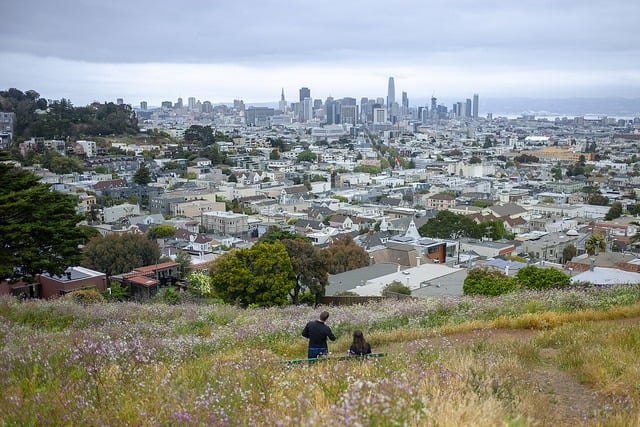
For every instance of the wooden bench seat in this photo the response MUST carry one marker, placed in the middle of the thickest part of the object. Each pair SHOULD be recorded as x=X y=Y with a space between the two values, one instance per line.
x=330 y=358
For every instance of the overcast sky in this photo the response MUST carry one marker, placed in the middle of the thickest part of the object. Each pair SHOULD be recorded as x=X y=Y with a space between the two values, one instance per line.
x=220 y=50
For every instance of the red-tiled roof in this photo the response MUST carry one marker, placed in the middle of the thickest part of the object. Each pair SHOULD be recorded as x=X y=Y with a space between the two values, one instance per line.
x=154 y=267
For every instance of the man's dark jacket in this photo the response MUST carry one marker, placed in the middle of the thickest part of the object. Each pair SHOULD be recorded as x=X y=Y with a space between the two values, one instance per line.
x=317 y=332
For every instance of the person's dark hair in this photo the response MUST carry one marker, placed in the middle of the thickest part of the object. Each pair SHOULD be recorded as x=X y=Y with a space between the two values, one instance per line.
x=324 y=315
x=359 y=342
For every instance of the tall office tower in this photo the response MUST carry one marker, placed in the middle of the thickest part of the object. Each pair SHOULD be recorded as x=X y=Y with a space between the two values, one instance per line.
x=391 y=93
x=317 y=103
x=143 y=105
x=238 y=104
x=178 y=104
x=405 y=102
x=475 y=105
x=467 y=109
x=307 y=109
x=330 y=111
x=191 y=102
x=379 y=116
x=207 y=107
x=434 y=107
x=120 y=101
x=348 y=101
x=364 y=109
x=348 y=114
x=282 y=105
x=457 y=110
x=305 y=93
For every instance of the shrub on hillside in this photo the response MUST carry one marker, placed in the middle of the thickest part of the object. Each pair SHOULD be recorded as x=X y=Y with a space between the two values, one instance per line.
x=395 y=288
x=85 y=296
x=532 y=277
x=487 y=281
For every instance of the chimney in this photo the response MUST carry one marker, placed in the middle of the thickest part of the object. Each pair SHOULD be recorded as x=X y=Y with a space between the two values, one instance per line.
x=68 y=273
x=417 y=261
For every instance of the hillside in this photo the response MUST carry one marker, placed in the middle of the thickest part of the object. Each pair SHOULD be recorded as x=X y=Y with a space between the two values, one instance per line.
x=554 y=358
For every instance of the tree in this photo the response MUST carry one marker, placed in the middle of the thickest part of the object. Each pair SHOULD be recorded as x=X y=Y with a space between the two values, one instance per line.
x=309 y=266
x=394 y=288
x=556 y=172
x=142 y=175
x=307 y=156
x=486 y=281
x=261 y=275
x=116 y=292
x=184 y=259
x=598 y=199
x=120 y=253
x=344 y=255
x=447 y=224
x=568 y=253
x=532 y=277
x=595 y=244
x=38 y=231
x=615 y=211
x=200 y=283
x=161 y=231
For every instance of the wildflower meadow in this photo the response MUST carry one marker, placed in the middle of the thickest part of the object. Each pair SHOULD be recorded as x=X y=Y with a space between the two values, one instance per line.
x=559 y=357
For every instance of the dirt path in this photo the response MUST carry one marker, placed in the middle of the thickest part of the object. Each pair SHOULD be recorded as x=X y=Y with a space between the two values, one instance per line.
x=573 y=403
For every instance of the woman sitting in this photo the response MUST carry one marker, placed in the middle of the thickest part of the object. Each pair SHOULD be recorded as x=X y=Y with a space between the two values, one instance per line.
x=359 y=347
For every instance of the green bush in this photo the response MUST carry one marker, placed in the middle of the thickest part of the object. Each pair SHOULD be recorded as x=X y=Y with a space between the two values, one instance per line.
x=532 y=277
x=116 y=292
x=169 y=296
x=487 y=281
x=395 y=288
x=85 y=296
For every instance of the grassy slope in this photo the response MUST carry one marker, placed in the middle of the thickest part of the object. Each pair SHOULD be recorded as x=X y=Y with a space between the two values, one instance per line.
x=523 y=359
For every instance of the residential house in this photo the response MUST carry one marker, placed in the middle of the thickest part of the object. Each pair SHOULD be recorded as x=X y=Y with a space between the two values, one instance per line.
x=441 y=201
x=72 y=279
x=225 y=223
x=145 y=282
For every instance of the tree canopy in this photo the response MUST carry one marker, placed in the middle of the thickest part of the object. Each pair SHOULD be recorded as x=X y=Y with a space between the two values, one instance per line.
x=344 y=255
x=309 y=263
x=38 y=231
x=120 y=253
x=258 y=276
x=142 y=175
x=161 y=231
x=61 y=119
x=447 y=224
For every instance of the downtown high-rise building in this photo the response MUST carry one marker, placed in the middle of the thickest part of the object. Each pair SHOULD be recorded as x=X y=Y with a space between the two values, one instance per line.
x=282 y=105
x=305 y=93
x=475 y=105
x=391 y=94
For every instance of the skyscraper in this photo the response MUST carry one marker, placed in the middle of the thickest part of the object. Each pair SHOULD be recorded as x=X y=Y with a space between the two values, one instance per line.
x=305 y=92
x=391 y=94
x=475 y=105
x=282 y=105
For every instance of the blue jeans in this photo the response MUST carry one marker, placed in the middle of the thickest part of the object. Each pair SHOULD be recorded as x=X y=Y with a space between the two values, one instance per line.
x=314 y=352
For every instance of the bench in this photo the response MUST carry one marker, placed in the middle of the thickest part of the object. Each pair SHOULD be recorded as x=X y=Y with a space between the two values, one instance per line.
x=329 y=358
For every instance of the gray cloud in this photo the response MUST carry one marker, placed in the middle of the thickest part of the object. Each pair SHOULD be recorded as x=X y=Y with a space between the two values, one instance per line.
x=538 y=47
x=220 y=31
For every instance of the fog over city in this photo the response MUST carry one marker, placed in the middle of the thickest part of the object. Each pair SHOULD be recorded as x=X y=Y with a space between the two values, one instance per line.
x=251 y=50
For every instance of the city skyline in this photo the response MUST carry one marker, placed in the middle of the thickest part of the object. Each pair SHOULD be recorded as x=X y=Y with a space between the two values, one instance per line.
x=144 y=51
